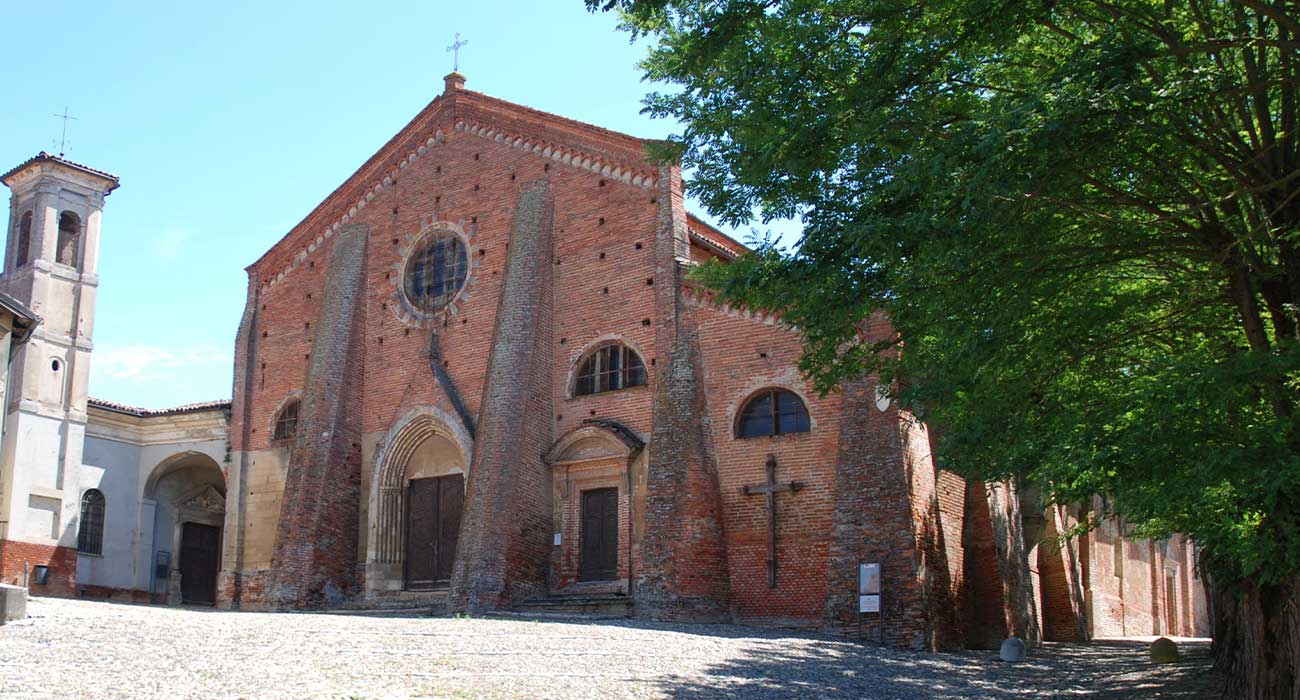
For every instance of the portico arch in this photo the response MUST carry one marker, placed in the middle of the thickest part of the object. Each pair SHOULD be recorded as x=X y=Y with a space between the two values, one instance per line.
x=183 y=514
x=426 y=443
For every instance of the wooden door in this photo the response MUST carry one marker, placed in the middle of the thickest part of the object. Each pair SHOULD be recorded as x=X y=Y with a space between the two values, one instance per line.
x=433 y=508
x=451 y=497
x=200 y=559
x=598 y=552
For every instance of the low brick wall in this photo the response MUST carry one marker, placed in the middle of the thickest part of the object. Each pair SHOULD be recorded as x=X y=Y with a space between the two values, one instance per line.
x=19 y=559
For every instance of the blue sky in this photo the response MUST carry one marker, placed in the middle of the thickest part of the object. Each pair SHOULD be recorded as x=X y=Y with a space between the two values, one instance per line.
x=228 y=122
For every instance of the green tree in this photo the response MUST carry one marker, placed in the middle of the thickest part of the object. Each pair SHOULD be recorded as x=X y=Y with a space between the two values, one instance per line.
x=1082 y=218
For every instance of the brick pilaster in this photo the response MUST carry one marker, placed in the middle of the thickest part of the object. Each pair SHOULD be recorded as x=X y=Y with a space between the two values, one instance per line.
x=506 y=523
x=315 y=553
x=872 y=523
x=230 y=583
x=682 y=572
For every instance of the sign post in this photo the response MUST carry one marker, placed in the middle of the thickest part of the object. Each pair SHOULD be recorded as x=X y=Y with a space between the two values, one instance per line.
x=869 y=596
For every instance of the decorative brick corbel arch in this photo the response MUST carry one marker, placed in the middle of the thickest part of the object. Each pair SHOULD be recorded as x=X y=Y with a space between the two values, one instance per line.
x=385 y=540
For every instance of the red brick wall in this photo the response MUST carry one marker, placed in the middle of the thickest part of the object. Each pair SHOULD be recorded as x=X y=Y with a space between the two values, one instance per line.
x=983 y=614
x=1058 y=606
x=603 y=230
x=474 y=182
x=742 y=355
x=504 y=543
x=938 y=505
x=682 y=569
x=17 y=559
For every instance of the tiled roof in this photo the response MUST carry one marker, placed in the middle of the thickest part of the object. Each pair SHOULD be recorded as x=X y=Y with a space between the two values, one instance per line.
x=149 y=412
x=44 y=157
x=25 y=315
x=714 y=238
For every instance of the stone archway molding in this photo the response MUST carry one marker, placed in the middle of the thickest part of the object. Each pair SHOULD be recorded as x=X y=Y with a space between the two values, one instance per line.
x=385 y=539
x=179 y=461
x=616 y=438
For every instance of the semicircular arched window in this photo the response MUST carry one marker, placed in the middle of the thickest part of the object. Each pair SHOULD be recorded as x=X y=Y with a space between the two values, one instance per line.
x=24 y=239
x=90 y=531
x=286 y=424
x=772 y=412
x=69 y=234
x=609 y=368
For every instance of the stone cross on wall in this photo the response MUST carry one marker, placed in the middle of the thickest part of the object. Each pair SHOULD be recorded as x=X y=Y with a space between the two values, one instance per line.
x=770 y=488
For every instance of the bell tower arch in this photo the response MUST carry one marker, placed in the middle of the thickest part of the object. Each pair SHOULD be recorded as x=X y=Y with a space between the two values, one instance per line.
x=50 y=264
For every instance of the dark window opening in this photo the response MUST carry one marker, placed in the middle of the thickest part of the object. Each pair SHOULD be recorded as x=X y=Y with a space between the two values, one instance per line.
x=24 y=239
x=69 y=232
x=286 y=424
x=772 y=412
x=609 y=368
x=436 y=271
x=90 y=535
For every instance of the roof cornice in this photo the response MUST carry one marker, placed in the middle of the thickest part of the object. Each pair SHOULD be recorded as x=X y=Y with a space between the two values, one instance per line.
x=111 y=181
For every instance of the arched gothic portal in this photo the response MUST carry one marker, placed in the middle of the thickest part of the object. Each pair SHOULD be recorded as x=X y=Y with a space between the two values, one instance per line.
x=416 y=502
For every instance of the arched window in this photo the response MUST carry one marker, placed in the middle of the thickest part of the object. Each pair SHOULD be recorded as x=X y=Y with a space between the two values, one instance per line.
x=609 y=367
x=69 y=232
x=90 y=536
x=772 y=412
x=286 y=424
x=24 y=239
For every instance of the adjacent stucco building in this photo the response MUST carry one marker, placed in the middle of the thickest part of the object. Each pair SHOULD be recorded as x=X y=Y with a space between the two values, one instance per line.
x=91 y=492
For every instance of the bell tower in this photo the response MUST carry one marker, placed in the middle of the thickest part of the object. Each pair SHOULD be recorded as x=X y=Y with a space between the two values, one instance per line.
x=50 y=263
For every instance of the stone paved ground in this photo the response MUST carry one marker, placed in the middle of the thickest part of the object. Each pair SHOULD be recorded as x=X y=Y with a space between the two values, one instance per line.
x=81 y=649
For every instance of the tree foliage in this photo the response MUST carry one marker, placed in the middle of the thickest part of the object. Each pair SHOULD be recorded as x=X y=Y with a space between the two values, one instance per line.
x=1082 y=218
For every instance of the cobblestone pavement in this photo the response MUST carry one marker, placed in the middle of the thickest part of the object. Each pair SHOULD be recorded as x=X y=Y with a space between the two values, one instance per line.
x=82 y=649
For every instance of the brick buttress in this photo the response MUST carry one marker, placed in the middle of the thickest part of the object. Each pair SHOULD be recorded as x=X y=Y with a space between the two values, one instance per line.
x=873 y=523
x=683 y=571
x=505 y=529
x=313 y=563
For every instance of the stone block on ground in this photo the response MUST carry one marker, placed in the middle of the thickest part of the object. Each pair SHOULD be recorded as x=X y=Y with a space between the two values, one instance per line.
x=13 y=603
x=1165 y=651
x=1013 y=650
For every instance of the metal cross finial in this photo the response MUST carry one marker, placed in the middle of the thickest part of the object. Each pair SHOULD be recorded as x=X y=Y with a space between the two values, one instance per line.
x=454 y=49
x=63 y=137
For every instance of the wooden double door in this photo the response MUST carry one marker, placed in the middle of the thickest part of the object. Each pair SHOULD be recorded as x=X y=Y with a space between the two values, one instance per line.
x=199 y=562
x=433 y=508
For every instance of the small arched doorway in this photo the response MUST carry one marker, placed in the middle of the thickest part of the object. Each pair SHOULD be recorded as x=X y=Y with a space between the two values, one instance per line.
x=187 y=494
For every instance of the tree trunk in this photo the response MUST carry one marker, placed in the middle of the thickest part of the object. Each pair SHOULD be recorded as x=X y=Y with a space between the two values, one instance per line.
x=1257 y=638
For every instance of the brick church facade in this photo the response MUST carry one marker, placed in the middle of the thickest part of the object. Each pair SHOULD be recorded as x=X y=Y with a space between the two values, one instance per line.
x=479 y=375
x=478 y=370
